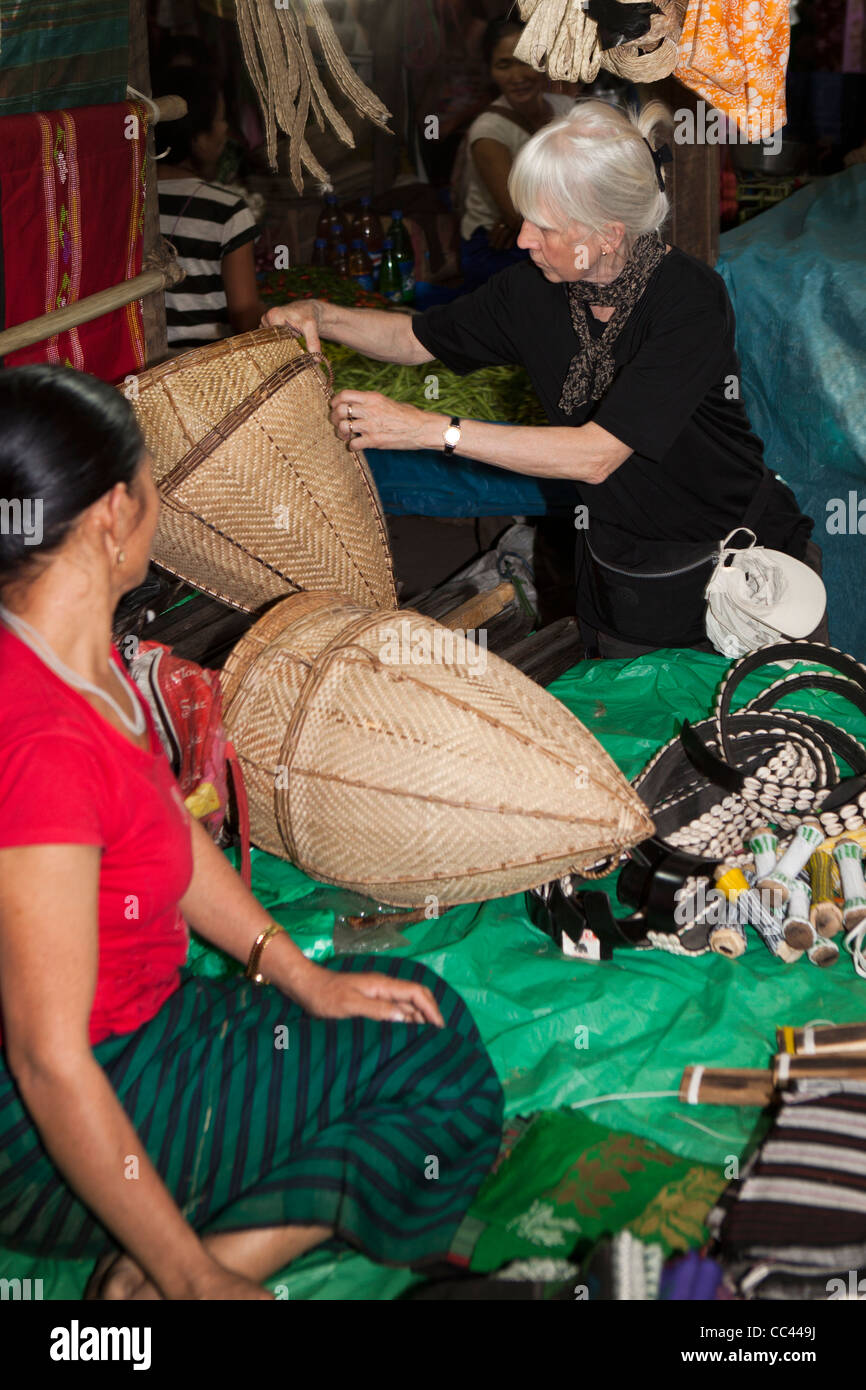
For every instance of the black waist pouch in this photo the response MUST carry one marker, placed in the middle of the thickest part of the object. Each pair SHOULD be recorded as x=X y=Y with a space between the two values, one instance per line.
x=651 y=592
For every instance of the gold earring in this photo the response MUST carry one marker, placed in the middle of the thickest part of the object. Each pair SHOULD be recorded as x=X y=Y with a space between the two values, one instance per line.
x=121 y=556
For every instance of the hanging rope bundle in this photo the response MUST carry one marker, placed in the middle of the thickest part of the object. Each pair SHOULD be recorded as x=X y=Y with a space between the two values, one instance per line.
x=282 y=69
x=655 y=55
x=560 y=39
x=569 y=38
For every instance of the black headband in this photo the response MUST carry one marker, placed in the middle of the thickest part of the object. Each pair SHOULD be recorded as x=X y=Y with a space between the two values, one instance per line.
x=662 y=155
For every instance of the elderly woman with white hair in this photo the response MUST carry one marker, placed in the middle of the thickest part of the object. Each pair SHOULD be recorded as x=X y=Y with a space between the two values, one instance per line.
x=629 y=344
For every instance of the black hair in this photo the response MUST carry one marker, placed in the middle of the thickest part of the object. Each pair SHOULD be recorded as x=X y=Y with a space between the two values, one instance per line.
x=498 y=29
x=202 y=93
x=66 y=438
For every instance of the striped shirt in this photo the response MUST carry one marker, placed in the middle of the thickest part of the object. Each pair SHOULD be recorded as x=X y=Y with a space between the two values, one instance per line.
x=205 y=222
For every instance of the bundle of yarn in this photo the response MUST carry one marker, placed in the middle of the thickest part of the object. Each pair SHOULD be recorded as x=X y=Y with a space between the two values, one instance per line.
x=572 y=39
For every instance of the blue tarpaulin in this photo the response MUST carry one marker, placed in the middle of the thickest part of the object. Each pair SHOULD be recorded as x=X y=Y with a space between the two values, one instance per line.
x=426 y=483
x=797 y=278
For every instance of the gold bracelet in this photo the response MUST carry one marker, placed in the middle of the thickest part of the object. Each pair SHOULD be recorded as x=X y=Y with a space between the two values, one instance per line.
x=252 y=971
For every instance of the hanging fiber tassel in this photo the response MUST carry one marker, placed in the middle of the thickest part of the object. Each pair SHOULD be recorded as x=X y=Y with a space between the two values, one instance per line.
x=559 y=39
x=823 y=878
x=283 y=72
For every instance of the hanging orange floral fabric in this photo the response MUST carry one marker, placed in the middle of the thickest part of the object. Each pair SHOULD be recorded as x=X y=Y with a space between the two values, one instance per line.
x=734 y=53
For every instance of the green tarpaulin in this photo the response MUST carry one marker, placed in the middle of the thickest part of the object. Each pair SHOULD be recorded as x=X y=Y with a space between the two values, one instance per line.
x=563 y=1032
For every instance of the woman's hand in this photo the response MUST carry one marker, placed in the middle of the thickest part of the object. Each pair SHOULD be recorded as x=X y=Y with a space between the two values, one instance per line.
x=369 y=420
x=118 y=1278
x=501 y=236
x=304 y=314
x=337 y=994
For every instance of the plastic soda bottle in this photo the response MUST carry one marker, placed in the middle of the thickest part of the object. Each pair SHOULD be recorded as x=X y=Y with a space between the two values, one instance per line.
x=327 y=217
x=320 y=252
x=404 y=253
x=360 y=269
x=390 y=279
x=368 y=227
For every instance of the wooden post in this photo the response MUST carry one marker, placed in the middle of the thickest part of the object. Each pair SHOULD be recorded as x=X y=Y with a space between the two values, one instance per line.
x=93 y=306
x=387 y=83
x=152 y=305
x=695 y=185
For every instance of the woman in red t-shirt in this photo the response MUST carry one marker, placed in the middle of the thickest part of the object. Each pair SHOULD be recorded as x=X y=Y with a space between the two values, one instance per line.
x=193 y=1136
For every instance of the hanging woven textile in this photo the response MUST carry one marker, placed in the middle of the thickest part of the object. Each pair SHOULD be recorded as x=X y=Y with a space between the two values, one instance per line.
x=62 y=53
x=282 y=67
x=71 y=222
x=572 y=39
x=734 y=54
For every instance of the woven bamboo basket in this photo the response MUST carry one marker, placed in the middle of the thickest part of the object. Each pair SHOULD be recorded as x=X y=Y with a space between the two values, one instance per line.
x=402 y=779
x=259 y=497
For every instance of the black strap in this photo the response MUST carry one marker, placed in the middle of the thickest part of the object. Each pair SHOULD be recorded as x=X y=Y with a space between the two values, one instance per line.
x=760 y=501
x=782 y=651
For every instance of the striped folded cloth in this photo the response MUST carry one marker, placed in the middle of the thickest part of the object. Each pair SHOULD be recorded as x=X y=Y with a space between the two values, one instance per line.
x=794 y=1224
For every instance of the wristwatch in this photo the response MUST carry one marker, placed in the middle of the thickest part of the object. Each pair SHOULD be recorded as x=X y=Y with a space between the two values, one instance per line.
x=452 y=435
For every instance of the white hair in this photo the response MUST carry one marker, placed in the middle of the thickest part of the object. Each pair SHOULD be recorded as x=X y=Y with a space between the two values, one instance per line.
x=593 y=166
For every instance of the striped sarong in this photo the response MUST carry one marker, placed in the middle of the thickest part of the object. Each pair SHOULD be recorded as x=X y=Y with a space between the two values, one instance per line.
x=57 y=53
x=256 y=1114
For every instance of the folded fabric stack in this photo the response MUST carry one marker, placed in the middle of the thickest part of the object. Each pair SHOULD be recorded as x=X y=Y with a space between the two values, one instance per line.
x=793 y=1226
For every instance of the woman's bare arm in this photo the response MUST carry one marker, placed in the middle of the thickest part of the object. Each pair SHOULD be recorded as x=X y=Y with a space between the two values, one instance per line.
x=586 y=453
x=222 y=909
x=48 y=969
x=493 y=162
x=382 y=334
x=242 y=294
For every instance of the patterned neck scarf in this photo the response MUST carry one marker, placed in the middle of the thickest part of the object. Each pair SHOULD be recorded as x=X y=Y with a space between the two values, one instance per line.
x=592 y=367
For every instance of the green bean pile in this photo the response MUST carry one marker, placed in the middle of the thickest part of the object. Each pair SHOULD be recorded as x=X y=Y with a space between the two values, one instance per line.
x=502 y=394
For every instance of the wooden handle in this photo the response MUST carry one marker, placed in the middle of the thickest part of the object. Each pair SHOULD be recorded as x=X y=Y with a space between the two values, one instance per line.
x=837 y=1067
x=480 y=608
x=73 y=315
x=729 y=1086
x=844 y=1038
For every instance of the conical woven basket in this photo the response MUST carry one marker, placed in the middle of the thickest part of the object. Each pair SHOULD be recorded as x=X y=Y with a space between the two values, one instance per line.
x=259 y=497
x=381 y=755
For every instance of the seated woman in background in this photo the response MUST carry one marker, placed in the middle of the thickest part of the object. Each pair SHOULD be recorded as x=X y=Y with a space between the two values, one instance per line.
x=490 y=222
x=193 y=1135
x=212 y=227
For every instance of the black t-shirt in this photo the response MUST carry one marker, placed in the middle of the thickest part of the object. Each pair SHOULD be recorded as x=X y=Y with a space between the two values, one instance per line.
x=674 y=400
